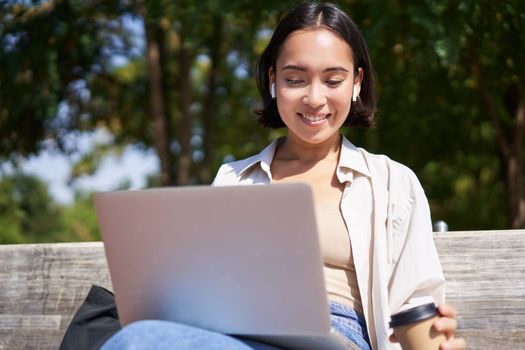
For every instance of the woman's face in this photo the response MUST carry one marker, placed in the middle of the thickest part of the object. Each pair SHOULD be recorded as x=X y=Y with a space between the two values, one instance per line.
x=314 y=81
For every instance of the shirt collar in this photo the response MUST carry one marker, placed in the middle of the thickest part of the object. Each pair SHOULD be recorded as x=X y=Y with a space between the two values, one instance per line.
x=263 y=159
x=350 y=160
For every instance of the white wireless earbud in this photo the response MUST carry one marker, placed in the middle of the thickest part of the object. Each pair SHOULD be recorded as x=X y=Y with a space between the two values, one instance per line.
x=356 y=93
x=272 y=90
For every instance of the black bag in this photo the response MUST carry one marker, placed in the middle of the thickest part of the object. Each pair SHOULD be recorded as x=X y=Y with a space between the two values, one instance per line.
x=95 y=321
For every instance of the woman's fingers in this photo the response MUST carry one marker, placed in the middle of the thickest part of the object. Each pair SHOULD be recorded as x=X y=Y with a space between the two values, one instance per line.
x=447 y=310
x=393 y=338
x=447 y=325
x=453 y=344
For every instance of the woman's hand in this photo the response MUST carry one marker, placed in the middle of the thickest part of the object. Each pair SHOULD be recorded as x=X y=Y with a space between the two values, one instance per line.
x=445 y=323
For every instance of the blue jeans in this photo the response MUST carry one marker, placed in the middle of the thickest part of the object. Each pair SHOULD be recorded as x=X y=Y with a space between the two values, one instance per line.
x=351 y=324
x=164 y=335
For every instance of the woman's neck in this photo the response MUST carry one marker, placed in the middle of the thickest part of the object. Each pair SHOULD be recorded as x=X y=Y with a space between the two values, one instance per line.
x=293 y=148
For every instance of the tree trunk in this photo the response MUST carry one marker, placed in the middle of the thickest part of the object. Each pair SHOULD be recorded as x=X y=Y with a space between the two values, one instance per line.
x=183 y=171
x=208 y=113
x=510 y=146
x=157 y=101
x=516 y=107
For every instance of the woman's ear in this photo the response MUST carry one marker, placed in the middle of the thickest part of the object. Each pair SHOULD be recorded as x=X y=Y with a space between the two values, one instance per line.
x=271 y=81
x=359 y=77
x=357 y=84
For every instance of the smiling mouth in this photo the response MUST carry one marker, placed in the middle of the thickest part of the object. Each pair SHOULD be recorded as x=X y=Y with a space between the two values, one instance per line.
x=314 y=118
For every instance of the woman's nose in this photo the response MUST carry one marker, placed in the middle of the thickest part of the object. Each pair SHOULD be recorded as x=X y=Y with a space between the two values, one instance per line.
x=315 y=96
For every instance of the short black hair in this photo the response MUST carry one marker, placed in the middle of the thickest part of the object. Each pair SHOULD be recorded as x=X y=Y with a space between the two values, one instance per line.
x=312 y=15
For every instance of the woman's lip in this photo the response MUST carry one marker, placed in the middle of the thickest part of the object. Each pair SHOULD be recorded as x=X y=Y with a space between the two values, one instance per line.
x=314 y=116
x=314 y=119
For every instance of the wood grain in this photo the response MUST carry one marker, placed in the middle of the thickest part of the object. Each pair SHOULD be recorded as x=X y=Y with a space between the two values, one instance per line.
x=485 y=272
x=42 y=286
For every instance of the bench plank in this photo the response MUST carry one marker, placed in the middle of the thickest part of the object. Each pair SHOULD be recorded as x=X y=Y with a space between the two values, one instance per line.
x=42 y=287
x=485 y=272
x=44 y=284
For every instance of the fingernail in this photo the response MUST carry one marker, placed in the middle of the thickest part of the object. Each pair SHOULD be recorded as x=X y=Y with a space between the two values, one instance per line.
x=445 y=345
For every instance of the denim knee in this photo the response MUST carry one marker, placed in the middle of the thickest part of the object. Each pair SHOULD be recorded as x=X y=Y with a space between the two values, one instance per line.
x=154 y=334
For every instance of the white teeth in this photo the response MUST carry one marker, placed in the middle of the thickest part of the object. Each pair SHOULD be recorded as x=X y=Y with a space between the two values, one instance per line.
x=313 y=118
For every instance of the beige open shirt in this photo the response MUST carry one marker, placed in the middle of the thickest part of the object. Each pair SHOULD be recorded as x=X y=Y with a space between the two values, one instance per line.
x=388 y=220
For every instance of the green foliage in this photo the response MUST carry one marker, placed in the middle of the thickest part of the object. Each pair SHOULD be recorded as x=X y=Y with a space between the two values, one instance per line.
x=80 y=220
x=46 y=50
x=435 y=61
x=12 y=215
x=29 y=215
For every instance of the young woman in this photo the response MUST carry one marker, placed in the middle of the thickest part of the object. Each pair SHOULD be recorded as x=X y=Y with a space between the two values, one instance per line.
x=315 y=76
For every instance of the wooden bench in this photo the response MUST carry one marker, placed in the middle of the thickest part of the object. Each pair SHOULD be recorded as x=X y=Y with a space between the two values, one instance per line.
x=42 y=285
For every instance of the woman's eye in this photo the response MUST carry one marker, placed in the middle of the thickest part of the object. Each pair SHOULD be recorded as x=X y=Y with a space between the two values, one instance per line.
x=294 y=82
x=333 y=83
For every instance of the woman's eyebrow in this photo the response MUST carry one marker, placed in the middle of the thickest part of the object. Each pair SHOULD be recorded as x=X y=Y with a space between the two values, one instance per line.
x=336 y=69
x=303 y=69
x=294 y=67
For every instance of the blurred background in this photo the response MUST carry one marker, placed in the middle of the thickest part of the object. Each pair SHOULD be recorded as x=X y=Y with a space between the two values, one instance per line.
x=102 y=95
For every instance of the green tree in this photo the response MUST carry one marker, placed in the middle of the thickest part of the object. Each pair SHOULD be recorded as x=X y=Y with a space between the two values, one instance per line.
x=80 y=220
x=28 y=213
x=451 y=102
x=449 y=78
x=194 y=86
x=47 y=50
x=11 y=216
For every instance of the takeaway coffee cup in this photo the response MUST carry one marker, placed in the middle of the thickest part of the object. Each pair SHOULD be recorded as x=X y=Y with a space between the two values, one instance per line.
x=413 y=328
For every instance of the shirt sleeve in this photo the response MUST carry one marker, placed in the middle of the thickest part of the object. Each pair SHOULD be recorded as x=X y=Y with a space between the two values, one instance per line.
x=417 y=277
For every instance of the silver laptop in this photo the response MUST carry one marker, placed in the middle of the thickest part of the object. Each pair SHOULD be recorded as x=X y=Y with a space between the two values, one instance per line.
x=242 y=260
